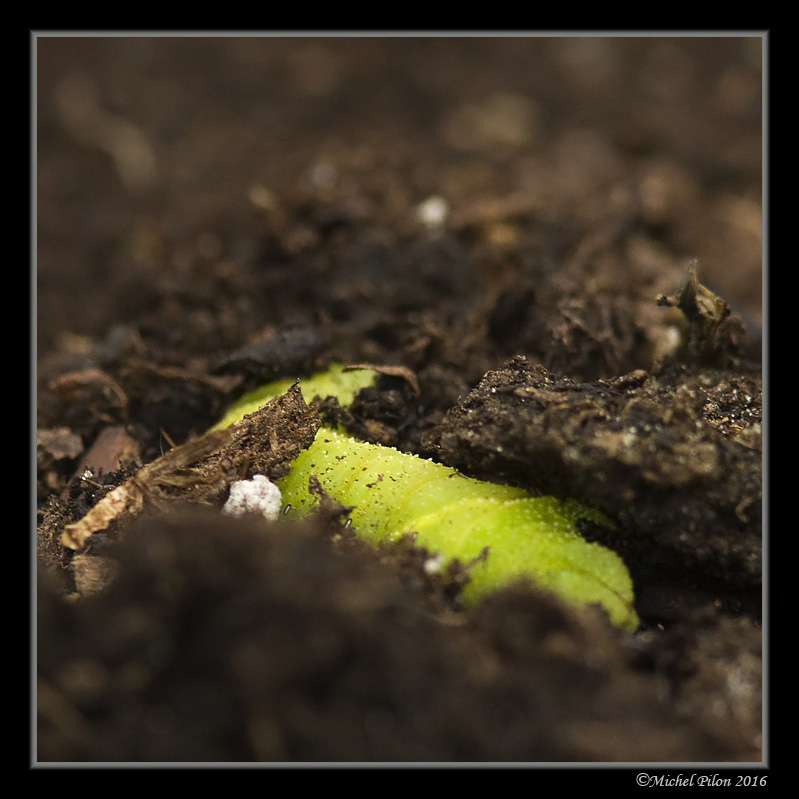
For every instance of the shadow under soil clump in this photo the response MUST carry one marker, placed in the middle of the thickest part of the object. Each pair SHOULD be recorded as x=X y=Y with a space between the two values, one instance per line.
x=249 y=641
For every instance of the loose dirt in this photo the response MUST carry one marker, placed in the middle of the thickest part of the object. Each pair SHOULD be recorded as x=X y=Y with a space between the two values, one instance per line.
x=506 y=226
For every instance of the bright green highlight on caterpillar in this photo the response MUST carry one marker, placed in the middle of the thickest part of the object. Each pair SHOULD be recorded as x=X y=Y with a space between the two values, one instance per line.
x=335 y=382
x=393 y=493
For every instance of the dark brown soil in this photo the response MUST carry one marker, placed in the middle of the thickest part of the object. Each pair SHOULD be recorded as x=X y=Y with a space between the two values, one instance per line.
x=511 y=221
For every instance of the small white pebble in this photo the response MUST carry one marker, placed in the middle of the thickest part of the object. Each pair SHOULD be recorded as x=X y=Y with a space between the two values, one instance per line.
x=432 y=212
x=258 y=495
x=433 y=565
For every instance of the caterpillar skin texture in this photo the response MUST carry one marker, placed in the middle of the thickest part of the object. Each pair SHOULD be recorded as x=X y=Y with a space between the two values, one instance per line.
x=392 y=493
x=335 y=382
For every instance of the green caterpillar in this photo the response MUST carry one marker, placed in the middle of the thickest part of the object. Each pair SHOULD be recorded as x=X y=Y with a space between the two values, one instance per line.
x=393 y=493
x=336 y=382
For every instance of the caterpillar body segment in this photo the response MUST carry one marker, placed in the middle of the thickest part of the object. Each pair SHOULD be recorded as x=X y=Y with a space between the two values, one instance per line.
x=392 y=493
x=335 y=382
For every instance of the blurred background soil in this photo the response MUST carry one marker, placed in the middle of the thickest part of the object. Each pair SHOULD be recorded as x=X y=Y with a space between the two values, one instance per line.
x=215 y=212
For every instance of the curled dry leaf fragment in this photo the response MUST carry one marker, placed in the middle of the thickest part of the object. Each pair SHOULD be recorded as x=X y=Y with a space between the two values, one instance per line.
x=707 y=315
x=391 y=371
x=148 y=486
x=201 y=470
